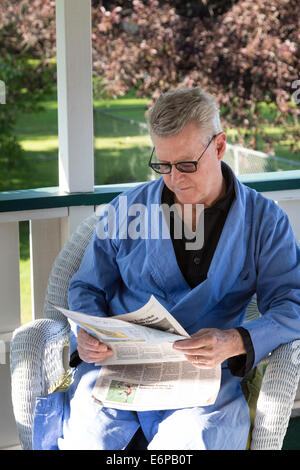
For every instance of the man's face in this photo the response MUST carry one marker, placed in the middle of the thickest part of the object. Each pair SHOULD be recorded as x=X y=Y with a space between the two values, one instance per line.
x=206 y=184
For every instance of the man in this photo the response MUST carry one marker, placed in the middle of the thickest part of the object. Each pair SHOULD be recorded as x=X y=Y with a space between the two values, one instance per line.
x=248 y=248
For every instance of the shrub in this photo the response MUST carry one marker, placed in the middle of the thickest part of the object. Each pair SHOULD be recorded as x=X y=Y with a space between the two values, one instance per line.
x=25 y=69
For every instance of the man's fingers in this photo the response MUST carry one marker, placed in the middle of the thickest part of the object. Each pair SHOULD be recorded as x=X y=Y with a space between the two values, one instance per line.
x=202 y=365
x=192 y=353
x=192 y=343
x=211 y=346
x=89 y=356
x=99 y=347
x=92 y=356
x=90 y=349
x=84 y=337
x=204 y=338
x=89 y=342
x=201 y=360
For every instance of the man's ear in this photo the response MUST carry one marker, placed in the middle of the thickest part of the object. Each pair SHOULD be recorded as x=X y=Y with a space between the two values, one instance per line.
x=220 y=143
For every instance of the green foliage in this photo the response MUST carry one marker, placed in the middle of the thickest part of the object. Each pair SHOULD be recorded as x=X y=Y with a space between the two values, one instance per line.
x=25 y=68
x=26 y=86
x=243 y=52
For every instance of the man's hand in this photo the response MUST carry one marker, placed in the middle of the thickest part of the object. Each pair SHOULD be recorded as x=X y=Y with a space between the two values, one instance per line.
x=90 y=349
x=209 y=347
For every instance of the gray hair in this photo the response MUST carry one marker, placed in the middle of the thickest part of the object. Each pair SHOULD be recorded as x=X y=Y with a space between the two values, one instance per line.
x=175 y=109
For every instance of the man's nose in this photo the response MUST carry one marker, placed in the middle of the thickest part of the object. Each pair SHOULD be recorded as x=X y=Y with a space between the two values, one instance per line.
x=176 y=175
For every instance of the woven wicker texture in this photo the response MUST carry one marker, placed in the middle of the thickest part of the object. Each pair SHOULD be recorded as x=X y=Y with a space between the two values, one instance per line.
x=276 y=397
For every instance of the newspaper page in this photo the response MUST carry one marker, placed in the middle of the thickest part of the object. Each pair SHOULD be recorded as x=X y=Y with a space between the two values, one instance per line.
x=144 y=387
x=145 y=372
x=143 y=336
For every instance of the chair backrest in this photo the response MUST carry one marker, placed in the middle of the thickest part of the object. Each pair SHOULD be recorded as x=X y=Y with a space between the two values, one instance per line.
x=65 y=266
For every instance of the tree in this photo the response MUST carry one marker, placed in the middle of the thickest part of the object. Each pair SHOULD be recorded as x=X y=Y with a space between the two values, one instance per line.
x=248 y=53
x=25 y=67
x=242 y=51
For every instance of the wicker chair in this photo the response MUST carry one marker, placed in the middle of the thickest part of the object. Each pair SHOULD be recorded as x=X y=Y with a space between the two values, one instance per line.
x=39 y=357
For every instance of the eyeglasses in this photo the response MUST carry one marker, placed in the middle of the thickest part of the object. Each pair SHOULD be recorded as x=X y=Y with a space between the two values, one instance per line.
x=184 y=167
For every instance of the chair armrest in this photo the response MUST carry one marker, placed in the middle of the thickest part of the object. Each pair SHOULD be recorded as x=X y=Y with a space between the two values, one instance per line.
x=276 y=397
x=36 y=361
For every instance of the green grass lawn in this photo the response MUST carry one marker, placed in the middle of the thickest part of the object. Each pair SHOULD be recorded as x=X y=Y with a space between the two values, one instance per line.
x=121 y=153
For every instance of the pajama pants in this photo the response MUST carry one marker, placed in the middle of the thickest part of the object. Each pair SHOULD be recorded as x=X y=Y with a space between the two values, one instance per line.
x=72 y=420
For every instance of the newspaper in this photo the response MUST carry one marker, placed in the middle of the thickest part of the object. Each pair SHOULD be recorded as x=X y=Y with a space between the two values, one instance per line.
x=145 y=372
x=143 y=336
x=157 y=386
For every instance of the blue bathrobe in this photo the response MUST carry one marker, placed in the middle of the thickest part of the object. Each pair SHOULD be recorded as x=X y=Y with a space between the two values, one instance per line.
x=256 y=253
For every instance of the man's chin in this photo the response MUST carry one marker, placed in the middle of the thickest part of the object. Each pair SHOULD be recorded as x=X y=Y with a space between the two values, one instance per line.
x=186 y=197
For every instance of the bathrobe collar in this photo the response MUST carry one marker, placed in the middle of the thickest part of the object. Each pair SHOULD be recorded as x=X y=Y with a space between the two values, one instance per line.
x=226 y=264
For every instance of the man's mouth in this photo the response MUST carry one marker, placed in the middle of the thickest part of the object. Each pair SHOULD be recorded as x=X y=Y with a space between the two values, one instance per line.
x=183 y=189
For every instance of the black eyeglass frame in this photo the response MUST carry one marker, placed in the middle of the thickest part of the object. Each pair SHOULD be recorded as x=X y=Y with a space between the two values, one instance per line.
x=194 y=162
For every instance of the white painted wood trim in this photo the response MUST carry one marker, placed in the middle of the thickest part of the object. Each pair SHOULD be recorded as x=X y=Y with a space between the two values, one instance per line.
x=14 y=447
x=289 y=201
x=5 y=339
x=75 y=96
x=9 y=277
x=9 y=320
x=45 y=244
x=76 y=215
x=8 y=429
x=292 y=209
x=284 y=195
x=33 y=214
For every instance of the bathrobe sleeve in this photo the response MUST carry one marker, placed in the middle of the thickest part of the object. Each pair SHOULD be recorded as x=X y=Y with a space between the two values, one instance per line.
x=91 y=287
x=278 y=285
